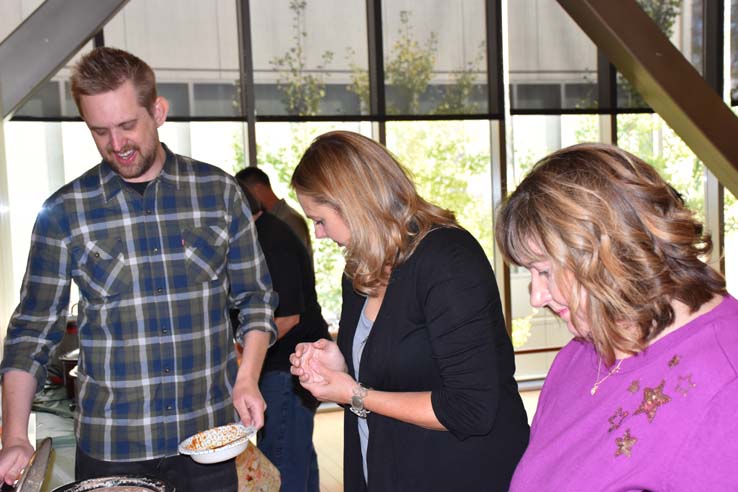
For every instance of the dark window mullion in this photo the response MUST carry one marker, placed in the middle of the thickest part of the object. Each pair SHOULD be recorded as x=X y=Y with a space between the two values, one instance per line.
x=246 y=67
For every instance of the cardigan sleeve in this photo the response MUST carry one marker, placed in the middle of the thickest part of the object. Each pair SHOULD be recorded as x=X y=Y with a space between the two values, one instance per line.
x=461 y=304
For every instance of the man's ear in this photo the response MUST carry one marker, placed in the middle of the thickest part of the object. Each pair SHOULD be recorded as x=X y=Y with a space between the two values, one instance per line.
x=161 y=110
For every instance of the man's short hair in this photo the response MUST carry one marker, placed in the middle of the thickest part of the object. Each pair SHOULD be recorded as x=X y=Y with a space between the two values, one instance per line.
x=105 y=69
x=253 y=175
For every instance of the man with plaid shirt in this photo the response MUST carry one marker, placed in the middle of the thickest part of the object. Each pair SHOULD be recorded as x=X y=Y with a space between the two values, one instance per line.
x=161 y=246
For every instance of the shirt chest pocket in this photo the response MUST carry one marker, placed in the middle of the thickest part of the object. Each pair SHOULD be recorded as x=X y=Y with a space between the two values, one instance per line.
x=101 y=269
x=205 y=251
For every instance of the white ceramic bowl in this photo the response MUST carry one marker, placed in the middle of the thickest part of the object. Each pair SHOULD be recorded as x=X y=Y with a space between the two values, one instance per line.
x=217 y=444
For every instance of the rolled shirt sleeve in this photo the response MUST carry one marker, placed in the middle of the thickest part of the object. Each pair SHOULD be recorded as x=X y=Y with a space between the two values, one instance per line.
x=251 y=285
x=39 y=321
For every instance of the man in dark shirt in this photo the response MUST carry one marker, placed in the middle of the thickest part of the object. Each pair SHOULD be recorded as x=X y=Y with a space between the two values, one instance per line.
x=286 y=438
x=257 y=182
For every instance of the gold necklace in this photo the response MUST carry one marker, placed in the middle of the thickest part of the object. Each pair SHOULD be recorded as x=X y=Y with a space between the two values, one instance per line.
x=599 y=381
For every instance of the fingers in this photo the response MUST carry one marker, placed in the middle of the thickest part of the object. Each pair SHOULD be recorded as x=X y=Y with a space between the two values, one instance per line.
x=12 y=477
x=252 y=413
x=299 y=349
x=13 y=474
x=13 y=459
x=317 y=371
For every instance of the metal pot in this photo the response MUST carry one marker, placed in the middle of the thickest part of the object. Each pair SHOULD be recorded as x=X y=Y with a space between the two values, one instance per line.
x=117 y=482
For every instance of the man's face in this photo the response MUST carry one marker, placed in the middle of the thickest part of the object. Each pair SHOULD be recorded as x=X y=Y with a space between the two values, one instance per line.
x=125 y=133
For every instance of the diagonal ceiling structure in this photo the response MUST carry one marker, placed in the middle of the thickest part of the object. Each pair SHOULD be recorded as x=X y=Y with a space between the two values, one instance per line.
x=43 y=43
x=665 y=80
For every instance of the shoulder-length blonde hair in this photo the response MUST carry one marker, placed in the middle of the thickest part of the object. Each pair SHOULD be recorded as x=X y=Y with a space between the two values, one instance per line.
x=372 y=192
x=623 y=233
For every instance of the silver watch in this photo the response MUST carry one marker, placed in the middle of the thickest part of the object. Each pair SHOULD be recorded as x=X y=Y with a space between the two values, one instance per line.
x=357 y=401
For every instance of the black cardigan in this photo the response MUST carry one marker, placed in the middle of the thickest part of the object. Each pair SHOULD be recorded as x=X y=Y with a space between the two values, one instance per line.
x=440 y=328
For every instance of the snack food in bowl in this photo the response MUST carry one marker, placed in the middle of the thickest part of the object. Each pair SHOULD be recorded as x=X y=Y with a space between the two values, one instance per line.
x=217 y=444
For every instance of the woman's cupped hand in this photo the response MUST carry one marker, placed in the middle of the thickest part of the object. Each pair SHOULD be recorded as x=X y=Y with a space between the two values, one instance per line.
x=321 y=369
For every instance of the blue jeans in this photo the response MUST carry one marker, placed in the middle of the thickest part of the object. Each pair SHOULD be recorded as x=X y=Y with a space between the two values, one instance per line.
x=287 y=436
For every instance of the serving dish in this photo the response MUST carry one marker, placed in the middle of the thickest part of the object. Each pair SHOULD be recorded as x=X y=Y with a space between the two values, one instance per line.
x=217 y=444
x=118 y=483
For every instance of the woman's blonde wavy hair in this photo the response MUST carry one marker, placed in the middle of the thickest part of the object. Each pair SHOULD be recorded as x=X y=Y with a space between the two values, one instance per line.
x=373 y=193
x=621 y=232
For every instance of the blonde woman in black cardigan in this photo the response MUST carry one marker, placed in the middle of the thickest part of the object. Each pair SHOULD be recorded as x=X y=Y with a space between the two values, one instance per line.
x=423 y=363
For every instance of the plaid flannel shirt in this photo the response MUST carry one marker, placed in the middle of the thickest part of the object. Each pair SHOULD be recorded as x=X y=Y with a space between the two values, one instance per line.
x=157 y=275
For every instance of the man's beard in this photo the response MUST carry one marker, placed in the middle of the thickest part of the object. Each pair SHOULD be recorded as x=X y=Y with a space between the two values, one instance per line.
x=130 y=172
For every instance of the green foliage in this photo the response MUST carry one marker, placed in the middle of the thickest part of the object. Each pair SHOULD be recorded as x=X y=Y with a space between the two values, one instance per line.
x=662 y=12
x=446 y=172
x=521 y=328
x=457 y=96
x=731 y=212
x=359 y=81
x=410 y=67
x=302 y=91
x=408 y=71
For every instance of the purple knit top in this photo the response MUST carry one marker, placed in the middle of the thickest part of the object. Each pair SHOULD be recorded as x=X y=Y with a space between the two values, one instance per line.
x=666 y=421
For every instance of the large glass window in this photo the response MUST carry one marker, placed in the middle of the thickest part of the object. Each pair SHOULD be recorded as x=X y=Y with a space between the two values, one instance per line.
x=435 y=57
x=450 y=165
x=192 y=42
x=310 y=57
x=543 y=73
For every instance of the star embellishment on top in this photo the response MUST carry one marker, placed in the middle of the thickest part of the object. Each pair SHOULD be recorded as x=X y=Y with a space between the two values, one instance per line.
x=653 y=398
x=617 y=419
x=674 y=361
x=685 y=384
x=625 y=444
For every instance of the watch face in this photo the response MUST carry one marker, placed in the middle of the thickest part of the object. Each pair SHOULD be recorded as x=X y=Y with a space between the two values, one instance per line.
x=357 y=402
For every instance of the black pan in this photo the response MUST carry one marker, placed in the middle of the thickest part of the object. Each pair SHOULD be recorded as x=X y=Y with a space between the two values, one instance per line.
x=102 y=484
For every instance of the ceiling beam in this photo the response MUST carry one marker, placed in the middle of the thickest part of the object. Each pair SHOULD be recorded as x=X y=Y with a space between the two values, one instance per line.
x=44 y=42
x=665 y=80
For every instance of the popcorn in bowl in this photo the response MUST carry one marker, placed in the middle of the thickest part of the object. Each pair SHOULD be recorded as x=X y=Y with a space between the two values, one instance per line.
x=217 y=444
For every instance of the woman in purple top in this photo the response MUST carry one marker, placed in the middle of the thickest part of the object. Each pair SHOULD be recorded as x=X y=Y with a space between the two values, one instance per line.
x=646 y=395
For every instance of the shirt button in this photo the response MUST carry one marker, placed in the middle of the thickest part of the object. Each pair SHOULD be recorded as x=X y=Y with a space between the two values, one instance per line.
x=156 y=250
x=167 y=370
x=159 y=290
x=149 y=211
x=165 y=331
x=169 y=407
